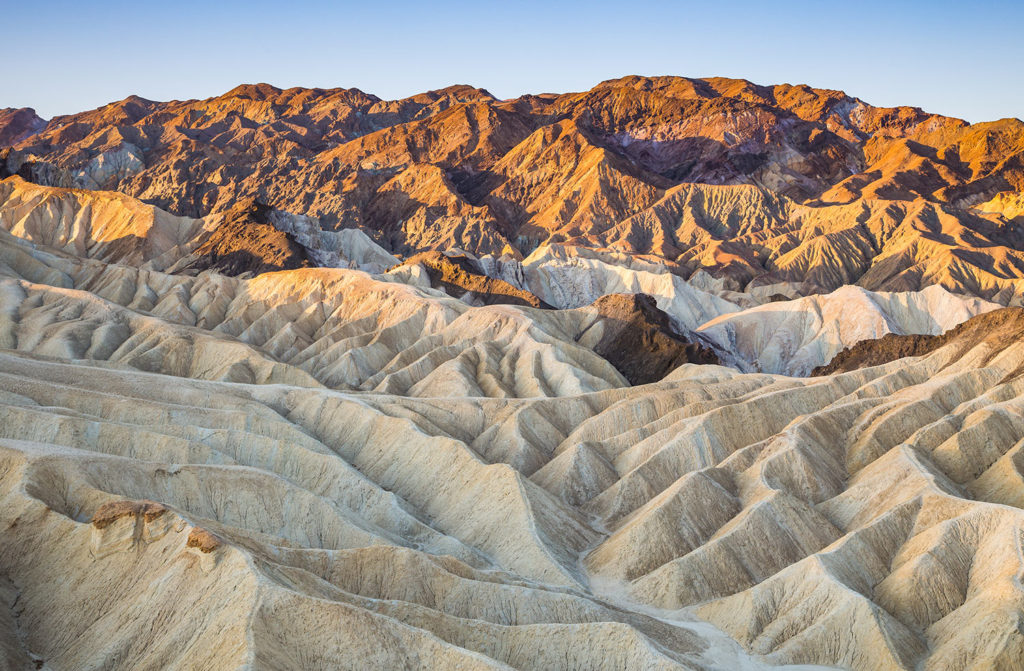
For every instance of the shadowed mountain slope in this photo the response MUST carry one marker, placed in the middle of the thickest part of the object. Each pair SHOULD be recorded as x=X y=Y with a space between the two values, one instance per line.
x=992 y=328
x=637 y=338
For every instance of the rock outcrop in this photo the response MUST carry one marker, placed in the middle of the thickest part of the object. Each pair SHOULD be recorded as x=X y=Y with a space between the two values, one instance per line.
x=637 y=338
x=995 y=329
x=459 y=276
x=244 y=241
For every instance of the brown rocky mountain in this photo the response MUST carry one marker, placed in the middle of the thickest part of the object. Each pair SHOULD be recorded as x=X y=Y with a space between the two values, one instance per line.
x=636 y=337
x=755 y=184
x=244 y=241
x=458 y=276
x=992 y=329
x=17 y=124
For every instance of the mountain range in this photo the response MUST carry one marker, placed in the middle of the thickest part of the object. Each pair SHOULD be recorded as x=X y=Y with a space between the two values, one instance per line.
x=754 y=184
x=668 y=374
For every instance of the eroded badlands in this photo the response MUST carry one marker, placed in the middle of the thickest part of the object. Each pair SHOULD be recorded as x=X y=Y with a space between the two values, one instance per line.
x=548 y=403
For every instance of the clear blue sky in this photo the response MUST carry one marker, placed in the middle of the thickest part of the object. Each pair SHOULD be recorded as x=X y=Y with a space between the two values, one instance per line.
x=956 y=58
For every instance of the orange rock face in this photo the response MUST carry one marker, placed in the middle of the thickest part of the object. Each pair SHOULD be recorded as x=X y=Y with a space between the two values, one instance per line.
x=753 y=183
x=245 y=242
x=203 y=540
x=110 y=512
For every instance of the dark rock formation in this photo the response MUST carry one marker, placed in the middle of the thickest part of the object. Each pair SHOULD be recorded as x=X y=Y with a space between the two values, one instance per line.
x=458 y=275
x=639 y=341
x=246 y=242
x=996 y=327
